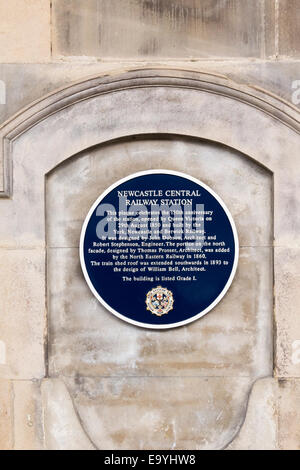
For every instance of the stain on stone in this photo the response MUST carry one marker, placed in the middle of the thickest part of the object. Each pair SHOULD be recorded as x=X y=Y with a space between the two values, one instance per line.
x=119 y=436
x=283 y=383
x=63 y=17
x=183 y=12
x=149 y=47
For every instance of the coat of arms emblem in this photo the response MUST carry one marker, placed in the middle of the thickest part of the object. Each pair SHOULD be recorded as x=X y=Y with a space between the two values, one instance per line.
x=159 y=301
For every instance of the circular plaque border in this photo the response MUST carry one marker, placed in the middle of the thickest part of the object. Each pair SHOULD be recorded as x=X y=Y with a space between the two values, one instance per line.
x=148 y=325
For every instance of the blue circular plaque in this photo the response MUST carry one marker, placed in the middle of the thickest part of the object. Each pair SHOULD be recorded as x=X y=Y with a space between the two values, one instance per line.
x=159 y=249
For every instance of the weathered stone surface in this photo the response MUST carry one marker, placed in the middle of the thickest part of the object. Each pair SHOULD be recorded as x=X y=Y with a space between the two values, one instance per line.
x=25 y=31
x=259 y=430
x=229 y=341
x=87 y=342
x=288 y=28
x=28 y=416
x=278 y=77
x=22 y=307
x=176 y=111
x=287 y=303
x=63 y=430
x=289 y=414
x=155 y=30
x=26 y=83
x=6 y=415
x=160 y=412
x=163 y=28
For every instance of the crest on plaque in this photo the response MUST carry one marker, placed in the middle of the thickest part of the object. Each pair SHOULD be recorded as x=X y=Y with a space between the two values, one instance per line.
x=159 y=301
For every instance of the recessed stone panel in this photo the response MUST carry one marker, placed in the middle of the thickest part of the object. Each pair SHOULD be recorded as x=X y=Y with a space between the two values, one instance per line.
x=234 y=339
x=163 y=28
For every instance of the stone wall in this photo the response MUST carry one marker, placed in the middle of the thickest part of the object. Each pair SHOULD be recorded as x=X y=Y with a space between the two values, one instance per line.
x=44 y=30
x=249 y=47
